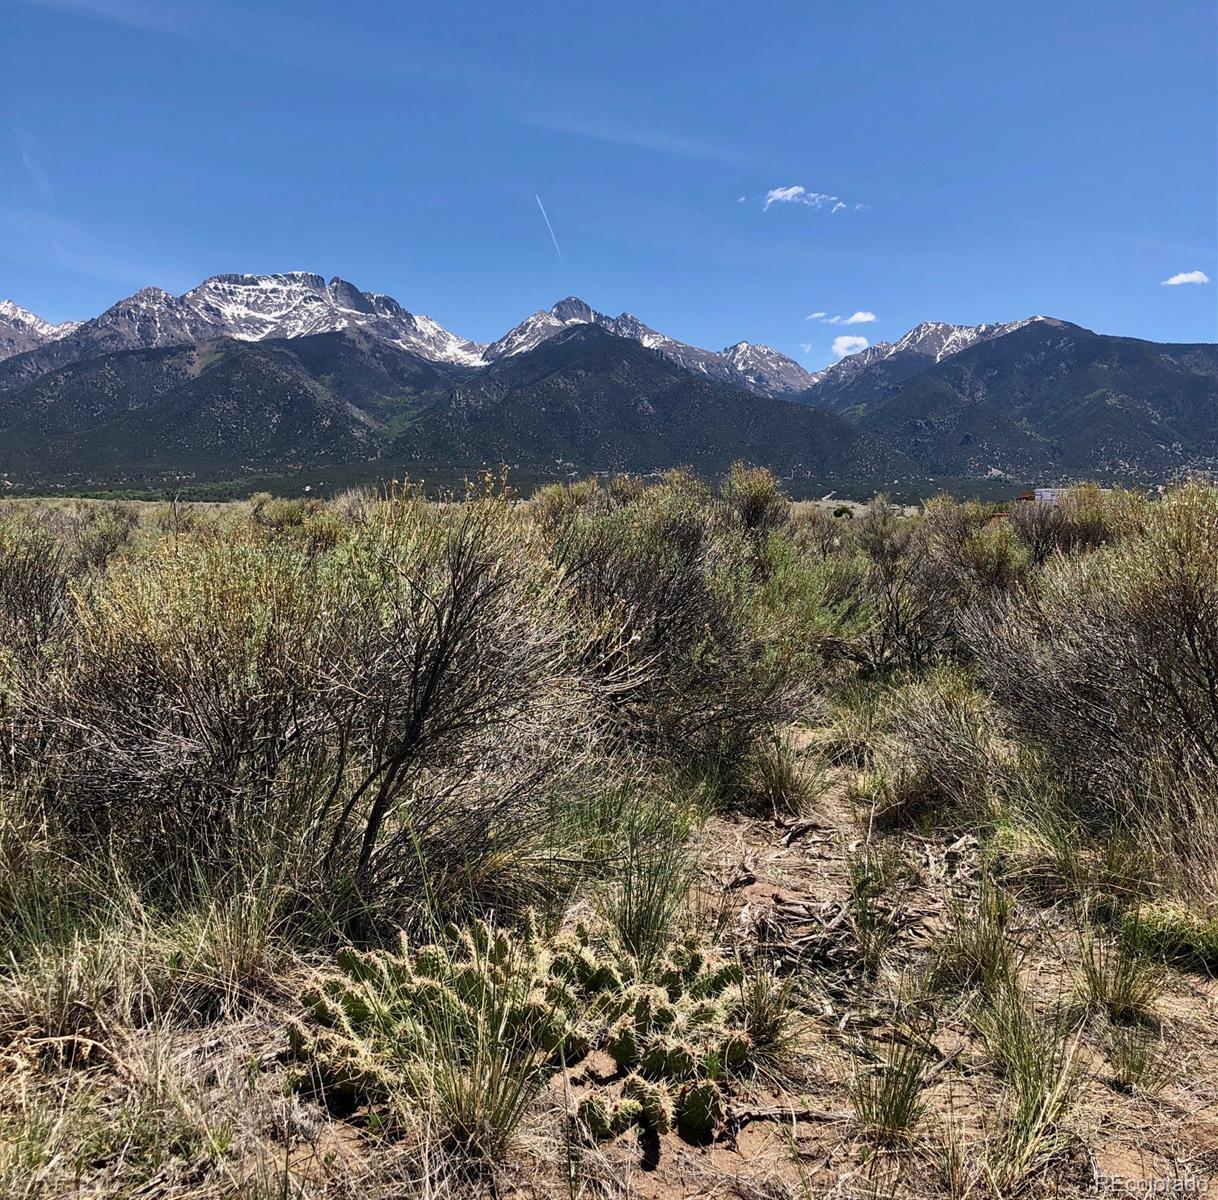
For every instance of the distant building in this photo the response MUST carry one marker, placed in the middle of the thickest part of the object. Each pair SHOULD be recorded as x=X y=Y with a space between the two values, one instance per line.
x=1047 y=495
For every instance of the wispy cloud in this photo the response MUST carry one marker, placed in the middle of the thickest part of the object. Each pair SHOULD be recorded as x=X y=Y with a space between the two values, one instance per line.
x=33 y=167
x=48 y=241
x=549 y=227
x=848 y=344
x=150 y=15
x=806 y=347
x=640 y=139
x=1186 y=277
x=797 y=194
x=862 y=317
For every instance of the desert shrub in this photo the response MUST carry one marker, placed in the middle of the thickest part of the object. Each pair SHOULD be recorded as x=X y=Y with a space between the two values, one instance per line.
x=625 y=488
x=974 y=549
x=813 y=530
x=1106 y=666
x=236 y=697
x=909 y=605
x=921 y=575
x=47 y=887
x=665 y=588
x=812 y=609
x=554 y=504
x=755 y=498
x=175 y=518
x=1085 y=518
x=34 y=580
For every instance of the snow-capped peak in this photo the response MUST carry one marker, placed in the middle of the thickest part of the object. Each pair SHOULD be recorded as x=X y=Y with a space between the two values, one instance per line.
x=936 y=340
x=16 y=317
x=939 y=340
x=766 y=370
x=299 y=303
x=758 y=368
x=22 y=330
x=289 y=304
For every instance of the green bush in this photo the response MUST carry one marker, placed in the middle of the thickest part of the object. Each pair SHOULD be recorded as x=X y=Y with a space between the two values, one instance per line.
x=1105 y=665
x=666 y=588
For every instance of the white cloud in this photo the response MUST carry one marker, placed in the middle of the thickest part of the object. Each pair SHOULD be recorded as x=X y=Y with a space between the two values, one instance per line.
x=801 y=195
x=847 y=344
x=862 y=317
x=837 y=207
x=806 y=347
x=1186 y=277
x=742 y=200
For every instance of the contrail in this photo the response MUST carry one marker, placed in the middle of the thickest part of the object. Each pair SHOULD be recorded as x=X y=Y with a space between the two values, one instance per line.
x=549 y=227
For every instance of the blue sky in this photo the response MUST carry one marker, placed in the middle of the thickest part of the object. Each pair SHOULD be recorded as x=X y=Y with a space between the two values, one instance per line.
x=985 y=161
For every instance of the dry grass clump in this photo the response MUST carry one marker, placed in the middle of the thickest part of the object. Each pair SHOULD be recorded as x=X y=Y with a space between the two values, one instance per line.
x=1115 y=976
x=887 y=1093
x=1036 y=1056
x=935 y=752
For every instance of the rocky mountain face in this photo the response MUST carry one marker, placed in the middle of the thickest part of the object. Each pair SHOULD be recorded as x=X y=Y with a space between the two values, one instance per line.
x=252 y=372
x=923 y=346
x=299 y=304
x=759 y=369
x=220 y=407
x=247 y=308
x=21 y=330
x=587 y=399
x=583 y=400
x=1042 y=399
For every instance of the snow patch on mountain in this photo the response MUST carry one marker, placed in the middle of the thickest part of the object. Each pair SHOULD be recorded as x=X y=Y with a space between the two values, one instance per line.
x=22 y=330
x=935 y=340
x=299 y=303
x=760 y=369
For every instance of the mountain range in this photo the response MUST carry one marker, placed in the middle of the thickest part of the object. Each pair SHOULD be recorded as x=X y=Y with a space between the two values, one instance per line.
x=297 y=304
x=257 y=374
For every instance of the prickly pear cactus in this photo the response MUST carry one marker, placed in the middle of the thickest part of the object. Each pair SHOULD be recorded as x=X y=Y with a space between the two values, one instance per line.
x=683 y=1026
x=626 y=1113
x=654 y=1100
x=596 y=1113
x=701 y=1109
x=383 y=1015
x=382 y=1020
